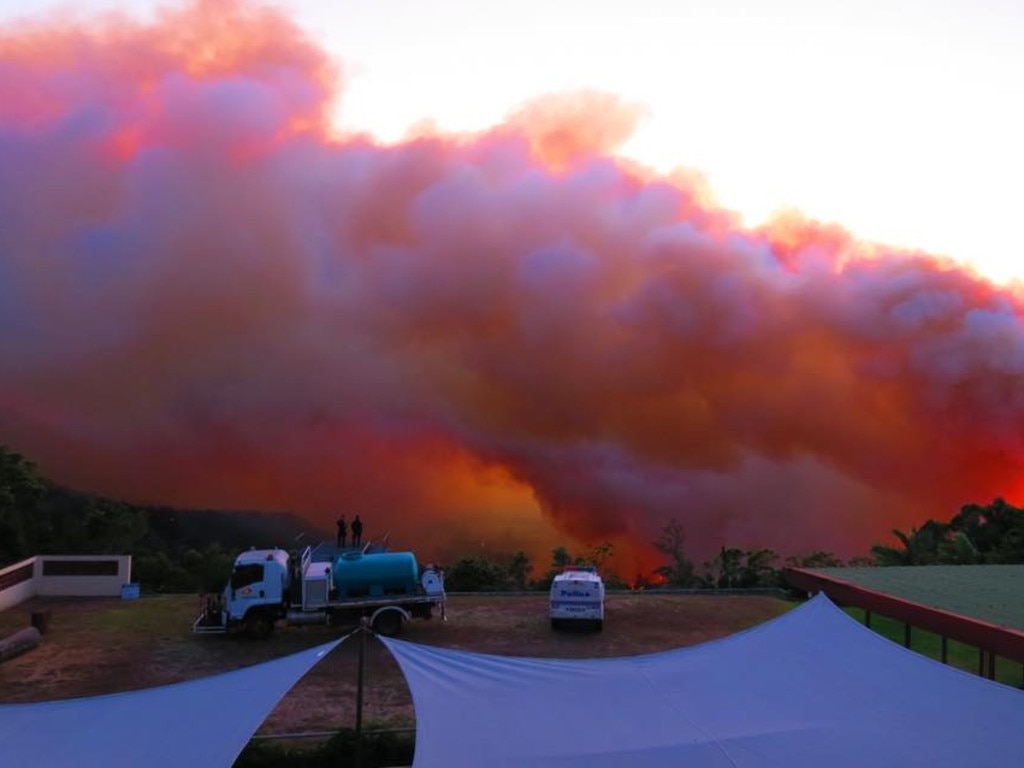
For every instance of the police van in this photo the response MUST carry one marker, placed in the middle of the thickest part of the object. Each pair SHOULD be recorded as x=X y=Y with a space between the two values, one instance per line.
x=577 y=598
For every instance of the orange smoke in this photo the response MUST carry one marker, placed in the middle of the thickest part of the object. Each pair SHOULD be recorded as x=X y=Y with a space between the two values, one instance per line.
x=563 y=129
x=478 y=343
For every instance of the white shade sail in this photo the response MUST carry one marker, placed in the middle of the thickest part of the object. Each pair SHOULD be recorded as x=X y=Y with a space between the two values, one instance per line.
x=199 y=723
x=811 y=688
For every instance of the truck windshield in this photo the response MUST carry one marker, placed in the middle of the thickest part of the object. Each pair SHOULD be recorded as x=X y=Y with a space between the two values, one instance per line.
x=244 y=575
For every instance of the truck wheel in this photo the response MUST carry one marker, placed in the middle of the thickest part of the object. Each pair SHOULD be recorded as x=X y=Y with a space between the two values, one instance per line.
x=388 y=623
x=258 y=626
x=599 y=625
x=556 y=624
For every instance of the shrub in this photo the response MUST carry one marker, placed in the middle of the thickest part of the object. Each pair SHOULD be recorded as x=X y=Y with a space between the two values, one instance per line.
x=379 y=750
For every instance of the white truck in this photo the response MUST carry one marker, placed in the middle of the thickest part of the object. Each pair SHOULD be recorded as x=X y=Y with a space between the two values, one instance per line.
x=577 y=598
x=326 y=585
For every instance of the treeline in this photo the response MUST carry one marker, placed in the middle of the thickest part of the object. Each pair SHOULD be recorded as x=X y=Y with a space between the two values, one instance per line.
x=976 y=534
x=731 y=568
x=179 y=551
x=173 y=550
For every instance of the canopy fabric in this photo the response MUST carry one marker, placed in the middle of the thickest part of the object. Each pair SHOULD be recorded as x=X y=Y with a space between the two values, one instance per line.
x=811 y=688
x=205 y=722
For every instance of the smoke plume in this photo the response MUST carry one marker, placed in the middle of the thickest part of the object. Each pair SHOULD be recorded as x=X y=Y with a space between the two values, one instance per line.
x=503 y=340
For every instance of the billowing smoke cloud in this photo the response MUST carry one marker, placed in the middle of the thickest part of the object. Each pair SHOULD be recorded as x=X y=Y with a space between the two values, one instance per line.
x=500 y=340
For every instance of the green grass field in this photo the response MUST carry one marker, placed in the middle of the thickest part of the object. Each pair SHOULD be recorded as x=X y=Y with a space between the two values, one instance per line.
x=992 y=593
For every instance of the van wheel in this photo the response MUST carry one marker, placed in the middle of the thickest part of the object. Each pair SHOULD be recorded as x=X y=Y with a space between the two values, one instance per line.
x=556 y=624
x=599 y=625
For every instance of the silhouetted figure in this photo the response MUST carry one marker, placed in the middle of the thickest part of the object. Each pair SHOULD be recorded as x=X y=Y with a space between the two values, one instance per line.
x=357 y=531
x=342 y=532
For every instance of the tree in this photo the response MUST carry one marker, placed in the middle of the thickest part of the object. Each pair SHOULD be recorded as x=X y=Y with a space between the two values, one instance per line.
x=560 y=560
x=1010 y=548
x=885 y=555
x=958 y=550
x=214 y=569
x=600 y=553
x=678 y=572
x=519 y=568
x=729 y=566
x=996 y=532
x=742 y=569
x=759 y=569
x=21 y=488
x=919 y=547
x=612 y=580
x=992 y=533
x=113 y=527
x=476 y=574
x=987 y=527
x=158 y=573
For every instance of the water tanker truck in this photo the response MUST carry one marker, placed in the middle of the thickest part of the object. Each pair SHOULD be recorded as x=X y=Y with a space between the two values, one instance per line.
x=323 y=586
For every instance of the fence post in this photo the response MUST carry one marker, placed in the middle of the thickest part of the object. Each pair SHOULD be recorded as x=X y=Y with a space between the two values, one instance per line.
x=363 y=629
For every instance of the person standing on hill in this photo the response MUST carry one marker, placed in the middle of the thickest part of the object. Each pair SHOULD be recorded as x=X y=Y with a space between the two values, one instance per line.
x=342 y=532
x=357 y=531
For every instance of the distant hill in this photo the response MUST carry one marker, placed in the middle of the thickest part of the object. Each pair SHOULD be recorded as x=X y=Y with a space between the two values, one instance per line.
x=38 y=516
x=234 y=530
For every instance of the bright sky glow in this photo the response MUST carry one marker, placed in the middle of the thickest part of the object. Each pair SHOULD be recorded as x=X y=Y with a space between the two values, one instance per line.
x=899 y=119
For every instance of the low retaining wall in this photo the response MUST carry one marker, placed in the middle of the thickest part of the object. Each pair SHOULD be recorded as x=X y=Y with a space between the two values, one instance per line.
x=17 y=583
x=64 y=576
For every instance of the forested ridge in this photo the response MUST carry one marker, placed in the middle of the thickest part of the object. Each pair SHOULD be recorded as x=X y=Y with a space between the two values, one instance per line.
x=173 y=550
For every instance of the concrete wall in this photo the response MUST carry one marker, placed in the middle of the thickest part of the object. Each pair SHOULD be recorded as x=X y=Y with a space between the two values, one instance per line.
x=13 y=593
x=65 y=576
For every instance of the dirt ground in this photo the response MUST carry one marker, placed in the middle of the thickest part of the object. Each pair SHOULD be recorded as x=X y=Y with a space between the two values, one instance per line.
x=98 y=646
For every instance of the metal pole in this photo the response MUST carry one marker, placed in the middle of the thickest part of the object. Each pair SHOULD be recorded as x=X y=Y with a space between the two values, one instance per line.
x=359 y=693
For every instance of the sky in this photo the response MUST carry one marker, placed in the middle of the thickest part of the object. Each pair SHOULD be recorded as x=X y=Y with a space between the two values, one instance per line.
x=899 y=120
x=497 y=279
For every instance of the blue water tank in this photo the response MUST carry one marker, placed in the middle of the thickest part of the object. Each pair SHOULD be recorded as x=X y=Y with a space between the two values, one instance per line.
x=378 y=574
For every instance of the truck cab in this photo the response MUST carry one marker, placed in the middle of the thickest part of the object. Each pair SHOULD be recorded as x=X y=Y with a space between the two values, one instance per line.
x=577 y=598
x=257 y=592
